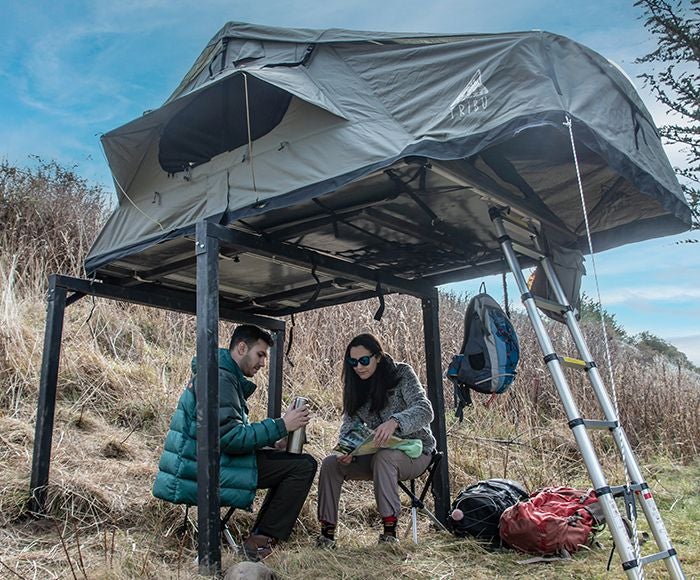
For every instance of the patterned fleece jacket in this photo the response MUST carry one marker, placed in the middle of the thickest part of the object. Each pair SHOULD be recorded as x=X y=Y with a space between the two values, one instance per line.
x=407 y=403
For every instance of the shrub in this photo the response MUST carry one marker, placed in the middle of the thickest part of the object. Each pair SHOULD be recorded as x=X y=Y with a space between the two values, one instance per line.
x=50 y=217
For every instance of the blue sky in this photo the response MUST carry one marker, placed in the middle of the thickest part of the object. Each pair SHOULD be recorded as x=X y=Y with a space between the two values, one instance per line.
x=72 y=70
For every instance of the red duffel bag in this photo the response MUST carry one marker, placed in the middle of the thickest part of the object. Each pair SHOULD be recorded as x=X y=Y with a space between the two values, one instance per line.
x=553 y=520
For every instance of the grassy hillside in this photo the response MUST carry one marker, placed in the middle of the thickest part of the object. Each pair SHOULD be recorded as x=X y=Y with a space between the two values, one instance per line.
x=122 y=370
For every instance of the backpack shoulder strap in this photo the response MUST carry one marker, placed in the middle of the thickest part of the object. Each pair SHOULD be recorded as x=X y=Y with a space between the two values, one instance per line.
x=463 y=399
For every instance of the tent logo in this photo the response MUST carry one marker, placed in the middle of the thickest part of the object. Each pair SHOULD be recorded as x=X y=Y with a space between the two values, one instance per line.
x=472 y=98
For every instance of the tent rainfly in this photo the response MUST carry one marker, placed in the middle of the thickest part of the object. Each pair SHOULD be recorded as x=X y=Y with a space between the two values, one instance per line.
x=382 y=150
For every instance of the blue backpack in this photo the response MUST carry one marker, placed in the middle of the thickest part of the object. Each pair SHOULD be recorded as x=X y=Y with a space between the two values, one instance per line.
x=489 y=355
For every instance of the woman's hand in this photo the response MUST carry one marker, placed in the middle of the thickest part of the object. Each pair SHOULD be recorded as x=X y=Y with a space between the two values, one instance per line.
x=384 y=431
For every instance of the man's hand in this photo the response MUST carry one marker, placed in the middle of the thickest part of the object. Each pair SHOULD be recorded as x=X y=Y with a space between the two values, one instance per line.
x=344 y=459
x=384 y=431
x=295 y=418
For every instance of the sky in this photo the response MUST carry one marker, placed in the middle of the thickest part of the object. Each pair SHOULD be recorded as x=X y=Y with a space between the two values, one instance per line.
x=72 y=70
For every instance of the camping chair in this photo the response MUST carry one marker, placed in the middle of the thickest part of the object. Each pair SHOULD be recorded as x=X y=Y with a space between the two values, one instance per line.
x=417 y=501
x=225 y=531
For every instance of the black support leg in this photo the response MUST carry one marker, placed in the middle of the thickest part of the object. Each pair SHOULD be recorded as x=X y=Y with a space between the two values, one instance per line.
x=207 y=390
x=47 y=395
x=431 y=330
x=274 y=392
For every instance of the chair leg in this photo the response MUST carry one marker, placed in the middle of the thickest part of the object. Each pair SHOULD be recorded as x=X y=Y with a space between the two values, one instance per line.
x=228 y=536
x=417 y=502
x=226 y=532
x=414 y=523
x=436 y=521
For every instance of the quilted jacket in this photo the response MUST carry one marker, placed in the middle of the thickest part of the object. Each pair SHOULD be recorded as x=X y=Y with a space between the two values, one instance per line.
x=176 y=480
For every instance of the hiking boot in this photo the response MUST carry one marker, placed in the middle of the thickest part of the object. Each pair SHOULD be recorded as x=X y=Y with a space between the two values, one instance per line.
x=325 y=543
x=388 y=539
x=258 y=547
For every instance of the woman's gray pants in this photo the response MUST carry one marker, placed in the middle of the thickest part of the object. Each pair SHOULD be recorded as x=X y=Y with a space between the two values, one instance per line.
x=385 y=468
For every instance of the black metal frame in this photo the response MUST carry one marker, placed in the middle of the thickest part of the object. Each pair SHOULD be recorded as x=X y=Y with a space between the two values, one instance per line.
x=209 y=308
x=46 y=407
x=433 y=368
x=207 y=390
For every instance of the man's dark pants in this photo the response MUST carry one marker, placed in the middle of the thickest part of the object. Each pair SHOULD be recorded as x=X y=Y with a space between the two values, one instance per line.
x=288 y=478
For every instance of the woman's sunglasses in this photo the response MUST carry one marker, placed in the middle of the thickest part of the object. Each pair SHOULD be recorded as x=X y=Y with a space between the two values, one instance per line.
x=363 y=360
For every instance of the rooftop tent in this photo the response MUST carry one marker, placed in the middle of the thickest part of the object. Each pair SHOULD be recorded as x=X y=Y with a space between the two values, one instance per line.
x=381 y=151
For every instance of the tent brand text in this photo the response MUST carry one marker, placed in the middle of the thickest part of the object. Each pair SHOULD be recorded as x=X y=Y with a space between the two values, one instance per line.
x=471 y=99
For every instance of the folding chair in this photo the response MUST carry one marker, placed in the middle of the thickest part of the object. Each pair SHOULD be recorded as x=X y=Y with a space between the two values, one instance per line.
x=417 y=502
x=225 y=531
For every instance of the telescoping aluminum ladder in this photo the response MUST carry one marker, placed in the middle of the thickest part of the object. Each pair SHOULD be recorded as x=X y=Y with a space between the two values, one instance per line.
x=519 y=235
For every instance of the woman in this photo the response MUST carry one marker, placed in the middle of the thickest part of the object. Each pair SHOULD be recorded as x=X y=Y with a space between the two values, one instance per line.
x=389 y=399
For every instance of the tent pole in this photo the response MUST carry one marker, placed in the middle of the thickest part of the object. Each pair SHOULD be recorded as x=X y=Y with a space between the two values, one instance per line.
x=431 y=332
x=207 y=391
x=46 y=405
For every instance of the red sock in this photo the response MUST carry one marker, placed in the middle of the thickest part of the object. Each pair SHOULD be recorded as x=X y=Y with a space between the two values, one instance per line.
x=390 y=525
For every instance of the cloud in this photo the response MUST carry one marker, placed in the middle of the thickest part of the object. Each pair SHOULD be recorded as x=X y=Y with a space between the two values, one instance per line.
x=58 y=78
x=97 y=65
x=648 y=261
x=670 y=293
x=689 y=345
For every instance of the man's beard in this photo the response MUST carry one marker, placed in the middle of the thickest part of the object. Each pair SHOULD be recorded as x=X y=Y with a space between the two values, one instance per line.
x=247 y=367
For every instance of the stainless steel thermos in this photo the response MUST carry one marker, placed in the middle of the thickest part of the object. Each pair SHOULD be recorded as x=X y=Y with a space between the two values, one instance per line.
x=296 y=439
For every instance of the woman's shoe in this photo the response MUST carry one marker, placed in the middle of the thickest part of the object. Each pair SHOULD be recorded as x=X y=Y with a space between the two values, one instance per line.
x=388 y=539
x=325 y=542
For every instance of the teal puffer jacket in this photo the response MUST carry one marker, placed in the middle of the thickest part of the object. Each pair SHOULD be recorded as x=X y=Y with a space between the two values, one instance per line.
x=176 y=480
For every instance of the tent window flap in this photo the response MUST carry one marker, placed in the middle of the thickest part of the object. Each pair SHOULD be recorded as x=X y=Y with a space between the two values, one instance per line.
x=216 y=122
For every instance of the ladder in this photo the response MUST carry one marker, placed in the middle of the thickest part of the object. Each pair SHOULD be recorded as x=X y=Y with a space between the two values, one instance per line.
x=518 y=234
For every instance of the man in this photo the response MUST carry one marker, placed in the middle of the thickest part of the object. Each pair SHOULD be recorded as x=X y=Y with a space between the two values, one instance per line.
x=247 y=462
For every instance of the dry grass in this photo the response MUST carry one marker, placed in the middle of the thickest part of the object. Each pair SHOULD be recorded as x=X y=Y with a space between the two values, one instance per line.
x=119 y=382
x=122 y=370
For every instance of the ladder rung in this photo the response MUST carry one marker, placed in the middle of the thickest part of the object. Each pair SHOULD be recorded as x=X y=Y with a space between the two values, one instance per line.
x=574 y=363
x=519 y=230
x=530 y=252
x=658 y=556
x=596 y=424
x=545 y=304
x=511 y=219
